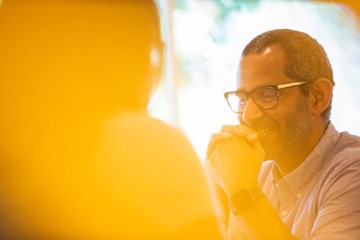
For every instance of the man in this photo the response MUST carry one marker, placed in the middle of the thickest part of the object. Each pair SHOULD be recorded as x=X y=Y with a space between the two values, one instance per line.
x=310 y=186
x=80 y=157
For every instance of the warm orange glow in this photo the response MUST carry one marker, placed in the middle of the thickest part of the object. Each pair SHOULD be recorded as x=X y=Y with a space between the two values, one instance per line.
x=80 y=159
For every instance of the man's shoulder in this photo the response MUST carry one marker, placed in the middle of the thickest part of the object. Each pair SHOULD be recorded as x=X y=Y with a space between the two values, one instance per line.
x=142 y=127
x=349 y=145
x=346 y=156
x=350 y=138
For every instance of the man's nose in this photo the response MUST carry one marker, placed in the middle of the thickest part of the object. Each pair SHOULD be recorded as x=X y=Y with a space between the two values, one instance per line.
x=250 y=113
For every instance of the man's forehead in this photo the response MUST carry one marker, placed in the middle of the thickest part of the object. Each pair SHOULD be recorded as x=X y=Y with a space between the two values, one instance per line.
x=259 y=69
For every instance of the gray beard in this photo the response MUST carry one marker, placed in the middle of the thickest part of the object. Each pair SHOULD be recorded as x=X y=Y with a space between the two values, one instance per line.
x=298 y=131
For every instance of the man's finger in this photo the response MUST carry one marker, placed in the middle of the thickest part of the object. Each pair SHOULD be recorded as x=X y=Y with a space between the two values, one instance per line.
x=241 y=131
x=215 y=138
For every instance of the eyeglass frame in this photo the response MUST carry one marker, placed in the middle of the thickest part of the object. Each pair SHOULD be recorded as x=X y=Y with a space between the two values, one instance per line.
x=277 y=87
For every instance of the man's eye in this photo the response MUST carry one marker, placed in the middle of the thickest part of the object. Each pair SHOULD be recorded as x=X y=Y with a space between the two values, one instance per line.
x=267 y=97
x=265 y=94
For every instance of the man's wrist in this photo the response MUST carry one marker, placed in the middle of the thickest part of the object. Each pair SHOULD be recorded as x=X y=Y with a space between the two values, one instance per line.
x=243 y=199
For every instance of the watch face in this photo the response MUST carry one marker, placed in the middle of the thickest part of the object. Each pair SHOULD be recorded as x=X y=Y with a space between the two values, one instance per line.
x=243 y=199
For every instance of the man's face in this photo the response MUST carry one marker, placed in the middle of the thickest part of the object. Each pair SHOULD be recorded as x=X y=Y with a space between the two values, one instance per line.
x=286 y=128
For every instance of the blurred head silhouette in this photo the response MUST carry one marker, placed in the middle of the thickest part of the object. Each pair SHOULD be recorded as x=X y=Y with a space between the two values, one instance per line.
x=101 y=55
x=80 y=159
x=66 y=65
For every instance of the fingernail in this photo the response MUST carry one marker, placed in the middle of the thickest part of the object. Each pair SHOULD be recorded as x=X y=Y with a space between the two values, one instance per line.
x=252 y=136
x=227 y=135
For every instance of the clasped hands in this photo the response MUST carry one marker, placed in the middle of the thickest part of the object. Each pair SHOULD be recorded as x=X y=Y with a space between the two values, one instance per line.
x=234 y=157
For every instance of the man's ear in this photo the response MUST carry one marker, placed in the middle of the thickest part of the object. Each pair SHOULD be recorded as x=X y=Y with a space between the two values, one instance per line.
x=321 y=94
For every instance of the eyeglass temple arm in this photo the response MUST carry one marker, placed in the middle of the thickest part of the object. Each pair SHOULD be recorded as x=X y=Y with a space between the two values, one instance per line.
x=292 y=84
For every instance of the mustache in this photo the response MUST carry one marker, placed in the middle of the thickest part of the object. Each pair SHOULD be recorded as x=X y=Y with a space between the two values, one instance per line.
x=258 y=124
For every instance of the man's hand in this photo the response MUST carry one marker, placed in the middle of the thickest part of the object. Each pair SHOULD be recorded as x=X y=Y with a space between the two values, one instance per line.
x=234 y=157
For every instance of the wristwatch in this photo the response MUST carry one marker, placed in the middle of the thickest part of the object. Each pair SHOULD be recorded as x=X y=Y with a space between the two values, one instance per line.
x=244 y=199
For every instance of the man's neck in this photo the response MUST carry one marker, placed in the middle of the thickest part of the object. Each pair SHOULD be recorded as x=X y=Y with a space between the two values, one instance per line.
x=290 y=160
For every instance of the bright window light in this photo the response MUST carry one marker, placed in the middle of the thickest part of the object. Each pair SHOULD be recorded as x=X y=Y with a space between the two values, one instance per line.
x=206 y=39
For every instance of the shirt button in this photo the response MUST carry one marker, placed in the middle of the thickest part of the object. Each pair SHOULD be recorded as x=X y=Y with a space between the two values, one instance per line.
x=299 y=195
x=284 y=213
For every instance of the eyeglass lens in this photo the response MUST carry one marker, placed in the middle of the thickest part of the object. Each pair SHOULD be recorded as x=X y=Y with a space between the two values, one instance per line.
x=264 y=97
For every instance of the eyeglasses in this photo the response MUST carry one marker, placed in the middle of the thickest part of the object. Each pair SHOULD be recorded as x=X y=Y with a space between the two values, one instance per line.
x=265 y=97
